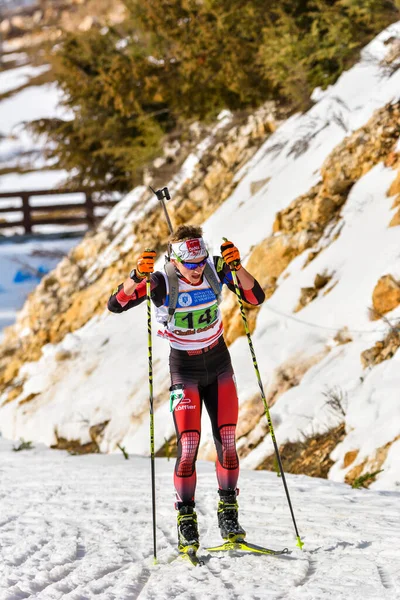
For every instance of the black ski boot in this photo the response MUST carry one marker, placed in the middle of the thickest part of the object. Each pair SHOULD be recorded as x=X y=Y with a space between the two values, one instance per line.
x=228 y=516
x=188 y=534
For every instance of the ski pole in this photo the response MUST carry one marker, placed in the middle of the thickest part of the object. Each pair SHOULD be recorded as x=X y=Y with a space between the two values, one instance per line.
x=300 y=544
x=150 y=352
x=161 y=194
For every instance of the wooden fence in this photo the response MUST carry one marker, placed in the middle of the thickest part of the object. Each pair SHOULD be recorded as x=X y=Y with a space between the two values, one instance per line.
x=63 y=213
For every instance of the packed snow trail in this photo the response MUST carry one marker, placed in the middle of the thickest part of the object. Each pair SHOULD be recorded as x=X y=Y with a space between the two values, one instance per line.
x=79 y=527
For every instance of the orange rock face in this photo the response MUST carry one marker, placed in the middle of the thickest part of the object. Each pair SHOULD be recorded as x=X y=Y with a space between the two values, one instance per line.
x=386 y=295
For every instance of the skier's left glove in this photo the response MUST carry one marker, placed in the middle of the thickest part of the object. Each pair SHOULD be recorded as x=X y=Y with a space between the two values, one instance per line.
x=231 y=256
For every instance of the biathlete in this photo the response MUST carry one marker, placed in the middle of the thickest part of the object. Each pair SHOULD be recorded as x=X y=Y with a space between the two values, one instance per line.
x=186 y=297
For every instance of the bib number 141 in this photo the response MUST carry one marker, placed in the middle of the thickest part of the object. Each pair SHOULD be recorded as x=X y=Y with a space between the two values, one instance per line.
x=196 y=319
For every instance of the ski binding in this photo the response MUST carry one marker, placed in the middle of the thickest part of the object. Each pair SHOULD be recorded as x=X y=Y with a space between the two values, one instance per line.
x=190 y=553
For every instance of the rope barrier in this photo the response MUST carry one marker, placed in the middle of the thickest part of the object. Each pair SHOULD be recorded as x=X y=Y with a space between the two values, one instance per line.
x=396 y=326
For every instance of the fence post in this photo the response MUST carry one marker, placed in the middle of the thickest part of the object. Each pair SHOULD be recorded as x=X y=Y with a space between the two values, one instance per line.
x=27 y=212
x=89 y=209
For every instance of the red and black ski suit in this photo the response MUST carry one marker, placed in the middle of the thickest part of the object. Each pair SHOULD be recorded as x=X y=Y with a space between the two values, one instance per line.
x=205 y=376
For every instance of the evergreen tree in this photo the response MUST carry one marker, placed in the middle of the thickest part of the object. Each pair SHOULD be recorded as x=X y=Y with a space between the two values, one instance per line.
x=118 y=117
x=311 y=46
x=206 y=51
x=173 y=62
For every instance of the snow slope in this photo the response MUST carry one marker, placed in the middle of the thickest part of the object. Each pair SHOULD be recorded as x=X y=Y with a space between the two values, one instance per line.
x=75 y=528
x=106 y=376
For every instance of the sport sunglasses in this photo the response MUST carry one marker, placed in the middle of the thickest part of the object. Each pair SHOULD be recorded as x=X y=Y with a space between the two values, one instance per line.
x=192 y=266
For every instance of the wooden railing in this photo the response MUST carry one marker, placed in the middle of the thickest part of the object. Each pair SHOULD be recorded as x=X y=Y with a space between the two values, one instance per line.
x=64 y=213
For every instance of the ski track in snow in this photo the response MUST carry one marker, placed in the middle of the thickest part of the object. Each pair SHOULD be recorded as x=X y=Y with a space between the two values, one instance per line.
x=80 y=528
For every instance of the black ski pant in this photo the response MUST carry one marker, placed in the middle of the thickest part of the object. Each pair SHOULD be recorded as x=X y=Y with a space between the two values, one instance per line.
x=207 y=377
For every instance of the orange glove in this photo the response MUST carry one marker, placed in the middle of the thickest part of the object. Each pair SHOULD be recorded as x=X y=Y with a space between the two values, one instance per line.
x=145 y=263
x=231 y=255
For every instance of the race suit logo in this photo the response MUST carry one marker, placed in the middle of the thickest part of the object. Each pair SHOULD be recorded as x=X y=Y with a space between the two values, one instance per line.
x=178 y=400
x=184 y=299
x=185 y=404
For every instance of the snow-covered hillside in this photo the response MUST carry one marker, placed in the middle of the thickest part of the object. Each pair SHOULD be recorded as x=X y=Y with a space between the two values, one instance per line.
x=99 y=372
x=80 y=527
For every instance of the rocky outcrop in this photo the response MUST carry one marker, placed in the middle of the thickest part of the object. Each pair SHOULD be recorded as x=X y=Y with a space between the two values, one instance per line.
x=267 y=261
x=369 y=467
x=308 y=294
x=347 y=163
x=395 y=219
x=309 y=457
x=386 y=296
x=252 y=424
x=96 y=434
x=304 y=222
x=343 y=336
x=41 y=21
x=394 y=190
x=382 y=350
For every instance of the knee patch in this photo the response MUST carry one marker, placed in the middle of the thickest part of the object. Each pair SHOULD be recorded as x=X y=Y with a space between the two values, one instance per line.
x=229 y=455
x=187 y=453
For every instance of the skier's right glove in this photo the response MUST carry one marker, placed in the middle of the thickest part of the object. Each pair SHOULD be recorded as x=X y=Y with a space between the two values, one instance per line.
x=145 y=264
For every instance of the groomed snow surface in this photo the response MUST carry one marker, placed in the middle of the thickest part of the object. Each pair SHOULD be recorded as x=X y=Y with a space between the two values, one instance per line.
x=80 y=528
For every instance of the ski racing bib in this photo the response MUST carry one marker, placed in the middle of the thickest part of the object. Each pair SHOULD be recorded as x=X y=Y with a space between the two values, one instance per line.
x=196 y=322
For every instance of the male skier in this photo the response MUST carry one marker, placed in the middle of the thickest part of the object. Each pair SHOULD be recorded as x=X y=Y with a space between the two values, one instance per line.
x=200 y=364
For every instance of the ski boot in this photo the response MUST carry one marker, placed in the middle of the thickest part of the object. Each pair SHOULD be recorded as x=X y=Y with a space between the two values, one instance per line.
x=228 y=516
x=188 y=534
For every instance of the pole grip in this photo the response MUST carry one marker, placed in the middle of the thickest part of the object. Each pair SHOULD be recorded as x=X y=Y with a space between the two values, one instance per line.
x=160 y=195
